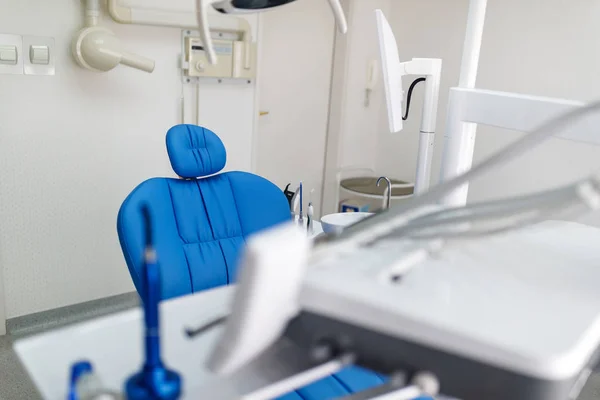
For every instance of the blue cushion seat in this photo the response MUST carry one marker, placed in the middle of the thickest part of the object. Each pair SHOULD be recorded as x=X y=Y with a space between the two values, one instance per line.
x=201 y=223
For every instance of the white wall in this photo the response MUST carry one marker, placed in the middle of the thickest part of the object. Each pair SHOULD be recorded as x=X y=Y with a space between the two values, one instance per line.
x=541 y=47
x=359 y=144
x=72 y=146
x=294 y=88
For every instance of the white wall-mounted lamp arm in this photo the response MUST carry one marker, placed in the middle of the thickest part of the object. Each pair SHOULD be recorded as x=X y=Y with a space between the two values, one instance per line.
x=92 y=12
x=431 y=68
x=98 y=49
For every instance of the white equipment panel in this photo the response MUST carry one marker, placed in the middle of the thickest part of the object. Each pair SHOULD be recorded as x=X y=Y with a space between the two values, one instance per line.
x=525 y=303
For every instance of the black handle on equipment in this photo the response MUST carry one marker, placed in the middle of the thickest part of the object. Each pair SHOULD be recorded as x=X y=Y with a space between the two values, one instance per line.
x=289 y=194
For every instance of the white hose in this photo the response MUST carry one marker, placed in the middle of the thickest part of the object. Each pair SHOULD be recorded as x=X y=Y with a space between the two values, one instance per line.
x=502 y=213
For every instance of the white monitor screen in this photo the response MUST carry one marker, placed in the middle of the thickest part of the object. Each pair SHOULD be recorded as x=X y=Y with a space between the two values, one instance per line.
x=392 y=75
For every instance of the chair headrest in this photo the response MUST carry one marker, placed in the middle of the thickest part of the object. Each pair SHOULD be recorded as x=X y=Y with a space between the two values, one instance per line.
x=195 y=151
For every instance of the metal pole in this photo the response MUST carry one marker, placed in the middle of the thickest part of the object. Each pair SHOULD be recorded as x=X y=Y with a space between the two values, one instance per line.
x=460 y=136
x=428 y=126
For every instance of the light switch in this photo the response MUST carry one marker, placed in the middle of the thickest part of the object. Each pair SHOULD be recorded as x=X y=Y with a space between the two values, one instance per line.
x=39 y=55
x=8 y=55
x=11 y=54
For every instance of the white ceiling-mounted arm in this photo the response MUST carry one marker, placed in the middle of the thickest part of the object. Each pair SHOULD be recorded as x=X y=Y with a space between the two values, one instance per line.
x=204 y=28
x=229 y=7
x=340 y=17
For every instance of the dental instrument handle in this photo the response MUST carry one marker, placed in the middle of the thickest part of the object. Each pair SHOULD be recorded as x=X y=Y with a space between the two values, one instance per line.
x=295 y=201
x=85 y=384
x=154 y=381
x=310 y=214
x=151 y=300
x=151 y=285
x=301 y=216
x=78 y=370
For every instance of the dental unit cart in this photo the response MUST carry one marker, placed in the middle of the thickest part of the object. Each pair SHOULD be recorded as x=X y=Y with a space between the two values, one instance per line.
x=522 y=326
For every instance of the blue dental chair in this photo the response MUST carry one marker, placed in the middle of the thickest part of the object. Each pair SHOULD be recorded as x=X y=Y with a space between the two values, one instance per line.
x=201 y=223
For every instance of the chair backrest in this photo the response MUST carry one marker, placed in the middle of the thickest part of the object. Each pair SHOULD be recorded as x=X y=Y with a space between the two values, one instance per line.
x=201 y=221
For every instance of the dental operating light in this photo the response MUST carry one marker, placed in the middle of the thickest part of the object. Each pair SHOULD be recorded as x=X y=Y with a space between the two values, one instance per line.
x=249 y=6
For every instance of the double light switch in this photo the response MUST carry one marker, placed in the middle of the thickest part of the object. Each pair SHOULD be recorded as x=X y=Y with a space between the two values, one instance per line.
x=31 y=55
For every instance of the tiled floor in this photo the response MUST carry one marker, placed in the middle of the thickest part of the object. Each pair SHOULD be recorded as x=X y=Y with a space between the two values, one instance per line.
x=16 y=385
x=14 y=381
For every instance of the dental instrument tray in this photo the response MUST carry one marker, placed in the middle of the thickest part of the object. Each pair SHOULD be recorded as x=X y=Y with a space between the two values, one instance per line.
x=515 y=316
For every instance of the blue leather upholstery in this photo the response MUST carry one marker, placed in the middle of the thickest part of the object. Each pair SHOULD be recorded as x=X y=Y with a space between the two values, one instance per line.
x=195 y=151
x=200 y=226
